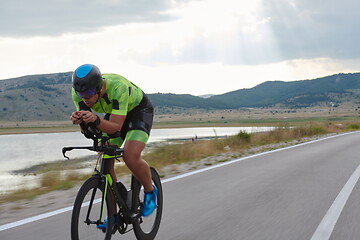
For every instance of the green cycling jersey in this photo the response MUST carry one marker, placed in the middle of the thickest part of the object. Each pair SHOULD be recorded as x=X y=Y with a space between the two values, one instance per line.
x=121 y=96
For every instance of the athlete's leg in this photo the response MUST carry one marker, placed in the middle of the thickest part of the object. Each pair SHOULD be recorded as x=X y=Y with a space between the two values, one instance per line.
x=109 y=167
x=110 y=160
x=138 y=166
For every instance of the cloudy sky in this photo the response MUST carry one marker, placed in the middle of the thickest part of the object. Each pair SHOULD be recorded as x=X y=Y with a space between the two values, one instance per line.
x=182 y=46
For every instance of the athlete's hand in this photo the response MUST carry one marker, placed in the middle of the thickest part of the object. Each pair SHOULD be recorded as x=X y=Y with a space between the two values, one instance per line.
x=88 y=117
x=76 y=117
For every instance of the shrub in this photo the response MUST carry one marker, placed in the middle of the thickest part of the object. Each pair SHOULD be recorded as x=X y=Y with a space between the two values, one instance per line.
x=243 y=136
x=353 y=127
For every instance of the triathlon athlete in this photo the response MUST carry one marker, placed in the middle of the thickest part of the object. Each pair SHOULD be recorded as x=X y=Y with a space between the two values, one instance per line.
x=128 y=115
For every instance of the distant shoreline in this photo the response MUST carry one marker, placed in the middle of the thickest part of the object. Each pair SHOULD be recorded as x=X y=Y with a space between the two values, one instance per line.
x=58 y=129
x=33 y=127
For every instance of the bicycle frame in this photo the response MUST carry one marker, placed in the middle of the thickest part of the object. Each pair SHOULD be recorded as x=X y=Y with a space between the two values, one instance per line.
x=130 y=203
x=107 y=179
x=109 y=183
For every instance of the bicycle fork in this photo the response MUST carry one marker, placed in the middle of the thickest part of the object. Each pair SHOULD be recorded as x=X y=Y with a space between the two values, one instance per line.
x=107 y=181
x=87 y=221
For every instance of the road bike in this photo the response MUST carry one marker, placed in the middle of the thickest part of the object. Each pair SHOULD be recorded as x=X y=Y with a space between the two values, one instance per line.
x=100 y=196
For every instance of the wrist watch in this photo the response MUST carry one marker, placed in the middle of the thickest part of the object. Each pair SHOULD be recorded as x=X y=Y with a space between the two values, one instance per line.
x=97 y=121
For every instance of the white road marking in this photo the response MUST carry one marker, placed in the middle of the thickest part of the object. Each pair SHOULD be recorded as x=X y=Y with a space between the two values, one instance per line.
x=63 y=210
x=42 y=216
x=326 y=226
x=33 y=219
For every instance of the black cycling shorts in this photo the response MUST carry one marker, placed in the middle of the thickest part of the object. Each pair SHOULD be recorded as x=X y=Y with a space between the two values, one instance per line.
x=138 y=123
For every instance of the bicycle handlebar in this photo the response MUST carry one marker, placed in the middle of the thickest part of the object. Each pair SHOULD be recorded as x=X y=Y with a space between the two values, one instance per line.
x=93 y=133
x=109 y=150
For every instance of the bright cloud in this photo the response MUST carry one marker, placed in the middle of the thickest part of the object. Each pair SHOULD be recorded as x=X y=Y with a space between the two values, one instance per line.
x=182 y=46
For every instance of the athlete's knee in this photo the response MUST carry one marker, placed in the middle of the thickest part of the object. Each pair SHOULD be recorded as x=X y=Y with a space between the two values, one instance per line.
x=130 y=157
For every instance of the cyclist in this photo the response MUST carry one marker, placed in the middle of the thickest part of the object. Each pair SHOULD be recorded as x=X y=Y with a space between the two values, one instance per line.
x=128 y=115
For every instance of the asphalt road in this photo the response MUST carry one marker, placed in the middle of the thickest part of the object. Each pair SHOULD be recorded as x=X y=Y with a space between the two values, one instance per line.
x=279 y=195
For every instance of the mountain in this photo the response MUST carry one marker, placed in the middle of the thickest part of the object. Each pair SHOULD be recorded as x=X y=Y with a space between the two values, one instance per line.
x=47 y=96
x=36 y=97
x=293 y=94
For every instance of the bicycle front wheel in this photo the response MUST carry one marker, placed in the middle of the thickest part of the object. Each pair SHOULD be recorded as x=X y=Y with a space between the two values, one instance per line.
x=86 y=215
x=146 y=228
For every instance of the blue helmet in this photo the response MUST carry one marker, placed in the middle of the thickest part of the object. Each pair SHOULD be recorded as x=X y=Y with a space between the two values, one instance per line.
x=87 y=77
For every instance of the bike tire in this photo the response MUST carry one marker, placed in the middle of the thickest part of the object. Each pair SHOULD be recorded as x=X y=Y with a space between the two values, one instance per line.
x=79 y=228
x=146 y=228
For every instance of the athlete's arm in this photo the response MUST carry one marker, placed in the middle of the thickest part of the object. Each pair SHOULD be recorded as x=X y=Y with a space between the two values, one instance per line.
x=112 y=126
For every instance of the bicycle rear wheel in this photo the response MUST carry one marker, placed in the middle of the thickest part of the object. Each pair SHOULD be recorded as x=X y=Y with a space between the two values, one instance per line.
x=86 y=212
x=146 y=228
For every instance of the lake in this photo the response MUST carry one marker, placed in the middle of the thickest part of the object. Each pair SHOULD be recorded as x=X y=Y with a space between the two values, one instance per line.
x=20 y=151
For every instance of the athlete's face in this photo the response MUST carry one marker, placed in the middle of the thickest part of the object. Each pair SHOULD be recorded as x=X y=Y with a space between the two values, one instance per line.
x=90 y=96
x=90 y=101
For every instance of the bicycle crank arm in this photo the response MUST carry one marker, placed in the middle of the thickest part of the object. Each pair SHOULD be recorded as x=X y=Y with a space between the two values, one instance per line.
x=134 y=217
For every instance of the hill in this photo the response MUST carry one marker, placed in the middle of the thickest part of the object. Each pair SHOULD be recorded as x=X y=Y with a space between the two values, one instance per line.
x=294 y=94
x=331 y=89
x=47 y=96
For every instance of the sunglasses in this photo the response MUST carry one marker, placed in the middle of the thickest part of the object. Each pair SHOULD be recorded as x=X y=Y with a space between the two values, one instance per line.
x=87 y=94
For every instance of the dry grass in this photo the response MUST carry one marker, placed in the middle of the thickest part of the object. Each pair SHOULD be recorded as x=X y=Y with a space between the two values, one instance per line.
x=190 y=151
x=49 y=181
x=55 y=178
